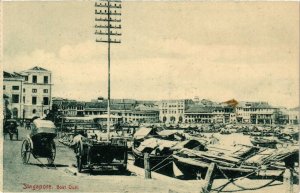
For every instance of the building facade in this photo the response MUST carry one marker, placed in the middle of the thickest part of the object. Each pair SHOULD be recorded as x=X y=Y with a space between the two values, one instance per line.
x=255 y=113
x=200 y=113
x=29 y=92
x=129 y=110
x=12 y=89
x=172 y=111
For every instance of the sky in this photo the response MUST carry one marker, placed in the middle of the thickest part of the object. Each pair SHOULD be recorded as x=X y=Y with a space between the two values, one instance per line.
x=248 y=51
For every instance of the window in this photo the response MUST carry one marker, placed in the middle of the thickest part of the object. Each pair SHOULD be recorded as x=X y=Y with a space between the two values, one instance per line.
x=23 y=99
x=15 y=87
x=3 y=87
x=34 y=100
x=15 y=98
x=45 y=79
x=46 y=101
x=23 y=89
x=45 y=90
x=26 y=78
x=33 y=111
x=34 y=90
x=34 y=79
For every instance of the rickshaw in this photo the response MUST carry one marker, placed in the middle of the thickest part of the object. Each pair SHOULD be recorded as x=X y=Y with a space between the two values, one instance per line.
x=40 y=142
x=11 y=128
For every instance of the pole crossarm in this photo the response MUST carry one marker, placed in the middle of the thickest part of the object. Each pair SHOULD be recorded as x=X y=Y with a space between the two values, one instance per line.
x=111 y=1
x=106 y=41
x=110 y=20
x=101 y=13
x=111 y=6
x=104 y=33
x=106 y=27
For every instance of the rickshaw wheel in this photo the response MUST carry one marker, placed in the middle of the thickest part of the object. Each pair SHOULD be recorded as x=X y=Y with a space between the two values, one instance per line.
x=25 y=151
x=52 y=154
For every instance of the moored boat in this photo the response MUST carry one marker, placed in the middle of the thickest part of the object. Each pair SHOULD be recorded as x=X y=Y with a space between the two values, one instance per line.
x=241 y=161
x=264 y=142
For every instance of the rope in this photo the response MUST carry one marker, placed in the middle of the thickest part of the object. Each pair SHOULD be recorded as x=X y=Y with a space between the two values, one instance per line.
x=244 y=188
x=161 y=162
x=162 y=166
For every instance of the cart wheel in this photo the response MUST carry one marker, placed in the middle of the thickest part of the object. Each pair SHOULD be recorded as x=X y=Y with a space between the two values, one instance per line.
x=52 y=153
x=123 y=168
x=25 y=151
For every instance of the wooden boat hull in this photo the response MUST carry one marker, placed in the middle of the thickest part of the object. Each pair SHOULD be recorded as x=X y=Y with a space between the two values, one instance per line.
x=192 y=168
x=269 y=144
x=154 y=160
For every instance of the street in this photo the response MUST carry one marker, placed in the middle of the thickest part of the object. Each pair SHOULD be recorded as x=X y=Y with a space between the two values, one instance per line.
x=18 y=177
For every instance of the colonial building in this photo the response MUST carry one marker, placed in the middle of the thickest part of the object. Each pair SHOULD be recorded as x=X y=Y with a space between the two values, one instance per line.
x=12 y=89
x=201 y=113
x=36 y=92
x=255 y=113
x=69 y=108
x=172 y=111
x=129 y=110
x=29 y=92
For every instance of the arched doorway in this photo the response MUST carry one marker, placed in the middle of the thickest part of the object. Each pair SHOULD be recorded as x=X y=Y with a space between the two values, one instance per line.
x=15 y=112
x=164 y=119
x=180 y=119
x=172 y=119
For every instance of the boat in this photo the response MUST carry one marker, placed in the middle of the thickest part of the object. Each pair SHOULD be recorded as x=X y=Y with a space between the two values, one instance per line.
x=160 y=148
x=264 y=142
x=241 y=161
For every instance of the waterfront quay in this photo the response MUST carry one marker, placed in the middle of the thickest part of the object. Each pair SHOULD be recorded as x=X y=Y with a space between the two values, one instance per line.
x=36 y=177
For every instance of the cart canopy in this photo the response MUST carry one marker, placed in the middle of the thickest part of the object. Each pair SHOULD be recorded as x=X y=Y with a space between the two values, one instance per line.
x=43 y=127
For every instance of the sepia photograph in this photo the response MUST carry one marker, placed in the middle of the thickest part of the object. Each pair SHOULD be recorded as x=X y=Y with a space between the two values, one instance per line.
x=155 y=96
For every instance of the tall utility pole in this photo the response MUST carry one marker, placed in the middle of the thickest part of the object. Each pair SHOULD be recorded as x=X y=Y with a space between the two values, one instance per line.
x=107 y=30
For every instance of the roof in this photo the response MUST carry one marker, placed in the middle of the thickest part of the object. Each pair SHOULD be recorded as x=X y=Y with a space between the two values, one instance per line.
x=37 y=68
x=142 y=132
x=167 y=132
x=11 y=75
x=78 y=118
x=201 y=109
x=105 y=116
x=96 y=105
x=143 y=107
x=258 y=105
x=43 y=123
